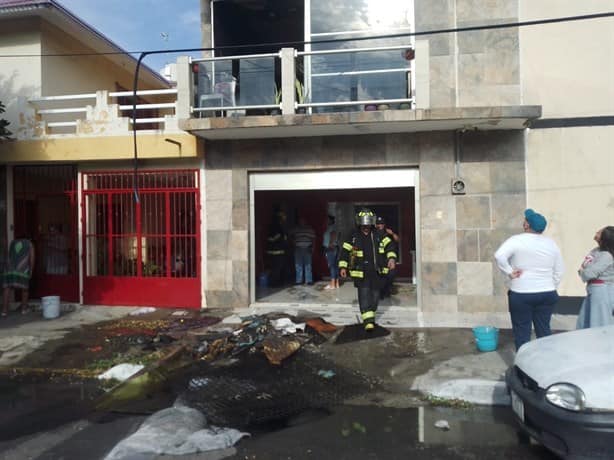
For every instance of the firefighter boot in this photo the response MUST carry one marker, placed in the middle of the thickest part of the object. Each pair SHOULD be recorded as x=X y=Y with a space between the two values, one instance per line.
x=368 y=319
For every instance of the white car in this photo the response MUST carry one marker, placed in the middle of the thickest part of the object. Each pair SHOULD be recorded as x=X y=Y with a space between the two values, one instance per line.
x=562 y=391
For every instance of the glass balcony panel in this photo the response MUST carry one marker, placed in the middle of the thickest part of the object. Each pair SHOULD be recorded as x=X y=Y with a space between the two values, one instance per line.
x=241 y=81
x=357 y=88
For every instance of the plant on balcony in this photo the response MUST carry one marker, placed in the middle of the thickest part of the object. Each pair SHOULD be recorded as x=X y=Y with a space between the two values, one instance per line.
x=301 y=95
x=277 y=100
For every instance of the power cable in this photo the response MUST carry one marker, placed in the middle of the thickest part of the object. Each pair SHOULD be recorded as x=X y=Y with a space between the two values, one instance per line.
x=339 y=40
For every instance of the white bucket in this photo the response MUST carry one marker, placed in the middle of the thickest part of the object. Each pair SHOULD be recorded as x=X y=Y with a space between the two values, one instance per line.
x=51 y=306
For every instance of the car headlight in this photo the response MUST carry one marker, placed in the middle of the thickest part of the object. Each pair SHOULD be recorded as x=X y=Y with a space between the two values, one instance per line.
x=566 y=395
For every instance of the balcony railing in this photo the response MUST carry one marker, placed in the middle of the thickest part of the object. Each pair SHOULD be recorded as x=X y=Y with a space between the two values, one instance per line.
x=294 y=81
x=92 y=112
x=287 y=82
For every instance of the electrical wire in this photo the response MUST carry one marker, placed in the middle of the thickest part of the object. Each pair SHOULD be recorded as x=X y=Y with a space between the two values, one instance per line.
x=338 y=40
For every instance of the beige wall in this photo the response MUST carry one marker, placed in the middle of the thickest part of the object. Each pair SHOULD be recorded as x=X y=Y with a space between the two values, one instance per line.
x=81 y=148
x=570 y=180
x=19 y=76
x=78 y=74
x=568 y=68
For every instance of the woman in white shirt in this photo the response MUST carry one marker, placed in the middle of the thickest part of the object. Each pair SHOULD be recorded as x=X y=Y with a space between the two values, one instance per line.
x=534 y=267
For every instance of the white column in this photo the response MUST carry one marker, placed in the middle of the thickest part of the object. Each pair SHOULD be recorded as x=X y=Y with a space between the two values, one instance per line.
x=185 y=89
x=423 y=83
x=288 y=78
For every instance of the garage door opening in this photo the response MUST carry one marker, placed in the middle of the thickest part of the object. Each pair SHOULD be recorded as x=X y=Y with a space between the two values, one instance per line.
x=314 y=196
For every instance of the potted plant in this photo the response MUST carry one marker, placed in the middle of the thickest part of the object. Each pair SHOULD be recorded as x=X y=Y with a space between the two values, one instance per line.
x=301 y=96
x=277 y=99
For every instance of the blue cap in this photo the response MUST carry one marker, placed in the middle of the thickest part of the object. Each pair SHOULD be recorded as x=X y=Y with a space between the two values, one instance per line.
x=536 y=221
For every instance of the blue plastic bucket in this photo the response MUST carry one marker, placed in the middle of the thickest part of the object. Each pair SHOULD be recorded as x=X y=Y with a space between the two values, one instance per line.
x=263 y=280
x=486 y=337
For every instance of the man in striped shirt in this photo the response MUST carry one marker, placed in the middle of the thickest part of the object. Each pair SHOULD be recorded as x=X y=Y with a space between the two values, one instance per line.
x=303 y=237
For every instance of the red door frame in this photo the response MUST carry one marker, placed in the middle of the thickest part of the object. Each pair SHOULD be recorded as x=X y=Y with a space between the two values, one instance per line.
x=166 y=288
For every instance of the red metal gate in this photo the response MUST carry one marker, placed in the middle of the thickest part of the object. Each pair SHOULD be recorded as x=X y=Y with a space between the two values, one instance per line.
x=45 y=204
x=143 y=251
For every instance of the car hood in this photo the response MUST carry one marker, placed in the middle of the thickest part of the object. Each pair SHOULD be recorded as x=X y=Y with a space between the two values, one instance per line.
x=584 y=358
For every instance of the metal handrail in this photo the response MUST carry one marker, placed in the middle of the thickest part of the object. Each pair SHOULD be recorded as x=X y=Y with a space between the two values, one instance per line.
x=236 y=107
x=350 y=103
x=354 y=50
x=229 y=58
x=361 y=72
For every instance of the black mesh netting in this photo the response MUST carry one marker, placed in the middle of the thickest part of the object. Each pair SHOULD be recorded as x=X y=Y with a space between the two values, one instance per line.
x=252 y=391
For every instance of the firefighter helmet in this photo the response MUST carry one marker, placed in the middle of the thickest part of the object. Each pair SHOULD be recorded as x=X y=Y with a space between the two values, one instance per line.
x=365 y=217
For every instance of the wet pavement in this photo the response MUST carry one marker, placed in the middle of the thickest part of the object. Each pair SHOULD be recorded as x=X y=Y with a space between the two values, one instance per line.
x=336 y=399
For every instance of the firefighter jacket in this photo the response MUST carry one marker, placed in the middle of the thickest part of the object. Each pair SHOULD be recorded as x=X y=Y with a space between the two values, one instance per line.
x=366 y=257
x=277 y=241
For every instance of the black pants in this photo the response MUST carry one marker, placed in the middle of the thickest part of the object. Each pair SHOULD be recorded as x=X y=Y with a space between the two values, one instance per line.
x=277 y=266
x=368 y=299
x=387 y=289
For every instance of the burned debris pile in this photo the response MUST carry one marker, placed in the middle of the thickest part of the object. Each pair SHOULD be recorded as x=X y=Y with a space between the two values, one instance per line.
x=268 y=369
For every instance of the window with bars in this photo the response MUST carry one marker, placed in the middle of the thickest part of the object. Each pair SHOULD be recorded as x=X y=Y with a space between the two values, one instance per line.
x=156 y=236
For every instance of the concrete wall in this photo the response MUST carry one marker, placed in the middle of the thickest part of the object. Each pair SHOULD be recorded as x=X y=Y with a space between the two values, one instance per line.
x=19 y=76
x=459 y=233
x=468 y=69
x=568 y=68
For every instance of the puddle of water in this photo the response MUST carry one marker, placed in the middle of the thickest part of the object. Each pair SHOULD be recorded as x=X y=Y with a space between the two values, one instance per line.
x=28 y=407
x=385 y=433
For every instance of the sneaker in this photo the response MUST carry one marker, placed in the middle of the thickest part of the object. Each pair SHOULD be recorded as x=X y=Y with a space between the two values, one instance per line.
x=369 y=326
x=328 y=286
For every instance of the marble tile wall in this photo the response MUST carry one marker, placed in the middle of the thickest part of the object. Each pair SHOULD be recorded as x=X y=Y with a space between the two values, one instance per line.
x=477 y=68
x=459 y=233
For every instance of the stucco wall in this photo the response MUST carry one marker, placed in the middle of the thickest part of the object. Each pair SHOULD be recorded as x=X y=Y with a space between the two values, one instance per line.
x=570 y=179
x=458 y=233
x=19 y=76
x=568 y=68
x=77 y=74
x=468 y=69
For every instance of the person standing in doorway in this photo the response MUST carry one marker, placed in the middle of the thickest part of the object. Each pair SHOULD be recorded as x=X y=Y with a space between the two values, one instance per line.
x=597 y=271
x=20 y=264
x=276 y=248
x=387 y=233
x=533 y=265
x=303 y=236
x=331 y=249
x=368 y=258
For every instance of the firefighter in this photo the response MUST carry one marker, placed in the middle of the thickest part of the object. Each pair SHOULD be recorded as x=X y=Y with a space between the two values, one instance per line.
x=277 y=249
x=368 y=256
